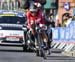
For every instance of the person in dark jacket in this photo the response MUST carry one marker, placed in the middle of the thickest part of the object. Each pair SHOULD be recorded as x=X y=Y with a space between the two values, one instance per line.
x=49 y=21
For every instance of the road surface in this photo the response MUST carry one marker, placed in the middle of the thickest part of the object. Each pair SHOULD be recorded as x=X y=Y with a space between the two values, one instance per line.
x=15 y=54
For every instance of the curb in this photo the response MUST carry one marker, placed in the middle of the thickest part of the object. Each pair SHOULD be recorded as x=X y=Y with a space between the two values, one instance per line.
x=68 y=53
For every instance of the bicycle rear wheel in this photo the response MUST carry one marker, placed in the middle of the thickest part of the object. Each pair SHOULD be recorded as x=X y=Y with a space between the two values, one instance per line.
x=40 y=51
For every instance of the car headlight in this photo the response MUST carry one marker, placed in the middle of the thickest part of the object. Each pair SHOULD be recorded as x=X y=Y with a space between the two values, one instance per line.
x=0 y=27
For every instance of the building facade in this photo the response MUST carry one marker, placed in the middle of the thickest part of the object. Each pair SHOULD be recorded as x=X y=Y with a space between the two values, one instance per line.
x=65 y=6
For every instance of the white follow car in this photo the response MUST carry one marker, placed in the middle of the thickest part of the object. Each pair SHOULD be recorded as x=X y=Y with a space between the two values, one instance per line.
x=12 y=31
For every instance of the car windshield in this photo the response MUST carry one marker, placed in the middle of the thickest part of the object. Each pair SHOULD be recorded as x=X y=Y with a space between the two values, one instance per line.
x=12 y=20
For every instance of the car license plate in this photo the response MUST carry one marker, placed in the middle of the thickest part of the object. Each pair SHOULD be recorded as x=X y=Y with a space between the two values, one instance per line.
x=12 y=39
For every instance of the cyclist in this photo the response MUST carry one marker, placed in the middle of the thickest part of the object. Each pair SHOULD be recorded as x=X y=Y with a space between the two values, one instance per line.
x=49 y=31
x=35 y=14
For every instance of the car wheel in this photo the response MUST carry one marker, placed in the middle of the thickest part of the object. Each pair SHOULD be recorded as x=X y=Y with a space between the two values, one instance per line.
x=25 y=48
x=37 y=53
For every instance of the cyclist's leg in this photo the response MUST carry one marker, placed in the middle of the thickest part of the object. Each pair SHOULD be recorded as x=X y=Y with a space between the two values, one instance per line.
x=50 y=38
x=45 y=40
x=49 y=34
x=34 y=36
x=32 y=32
x=30 y=38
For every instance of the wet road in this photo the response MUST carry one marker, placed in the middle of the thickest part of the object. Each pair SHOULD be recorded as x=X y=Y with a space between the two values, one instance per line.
x=15 y=54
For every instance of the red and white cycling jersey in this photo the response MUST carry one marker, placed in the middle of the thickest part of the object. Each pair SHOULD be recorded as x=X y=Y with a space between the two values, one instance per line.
x=38 y=18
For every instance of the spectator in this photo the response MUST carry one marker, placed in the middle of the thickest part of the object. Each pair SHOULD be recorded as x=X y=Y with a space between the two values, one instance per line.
x=51 y=19
x=18 y=3
x=26 y=4
x=58 y=24
x=65 y=19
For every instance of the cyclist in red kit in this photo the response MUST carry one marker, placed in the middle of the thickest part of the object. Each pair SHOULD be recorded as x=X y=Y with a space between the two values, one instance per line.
x=35 y=15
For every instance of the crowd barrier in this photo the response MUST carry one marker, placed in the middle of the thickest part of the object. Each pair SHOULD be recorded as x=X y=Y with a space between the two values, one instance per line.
x=64 y=38
x=64 y=33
